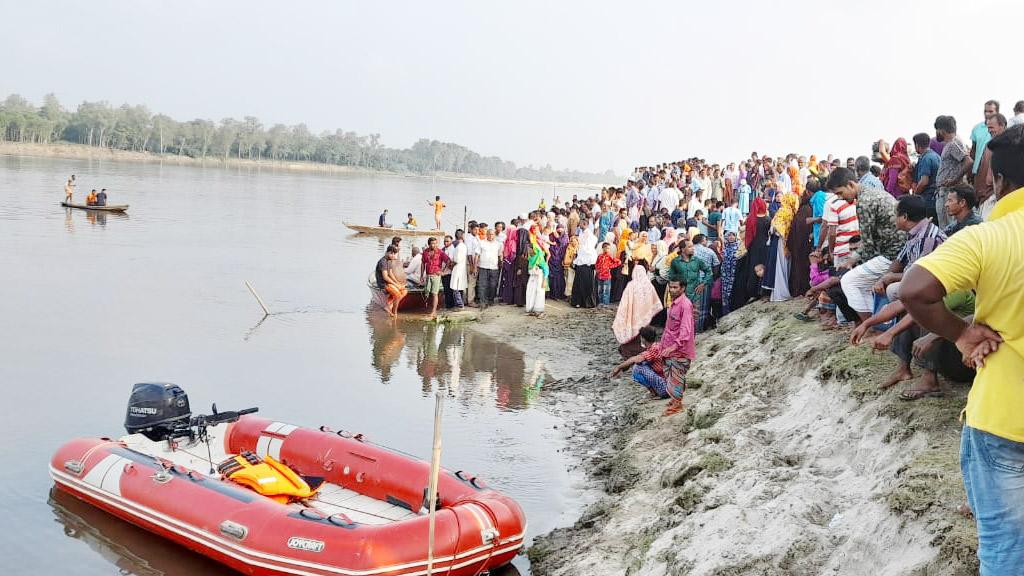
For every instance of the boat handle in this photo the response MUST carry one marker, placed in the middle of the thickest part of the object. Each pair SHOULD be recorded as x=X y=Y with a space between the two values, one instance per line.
x=233 y=529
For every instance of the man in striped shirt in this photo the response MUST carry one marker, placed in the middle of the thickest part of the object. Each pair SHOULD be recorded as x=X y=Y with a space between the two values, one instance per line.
x=841 y=223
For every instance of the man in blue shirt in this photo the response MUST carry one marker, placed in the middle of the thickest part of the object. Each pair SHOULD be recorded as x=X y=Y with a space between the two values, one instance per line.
x=980 y=135
x=818 y=198
x=678 y=213
x=926 y=172
x=865 y=178
x=731 y=217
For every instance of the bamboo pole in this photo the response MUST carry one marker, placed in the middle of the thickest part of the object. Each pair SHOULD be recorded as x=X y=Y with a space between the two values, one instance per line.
x=266 y=312
x=465 y=217
x=435 y=468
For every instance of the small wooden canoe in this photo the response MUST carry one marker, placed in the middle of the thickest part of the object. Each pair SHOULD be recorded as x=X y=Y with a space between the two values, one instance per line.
x=107 y=208
x=417 y=300
x=398 y=231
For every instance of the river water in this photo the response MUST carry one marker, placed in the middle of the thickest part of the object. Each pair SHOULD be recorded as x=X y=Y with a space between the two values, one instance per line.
x=90 y=304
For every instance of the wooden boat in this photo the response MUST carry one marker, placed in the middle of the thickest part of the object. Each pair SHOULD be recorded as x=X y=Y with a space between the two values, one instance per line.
x=416 y=301
x=365 y=516
x=107 y=208
x=398 y=231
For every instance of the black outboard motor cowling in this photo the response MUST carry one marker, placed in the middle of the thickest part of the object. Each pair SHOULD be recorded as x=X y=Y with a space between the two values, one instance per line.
x=156 y=409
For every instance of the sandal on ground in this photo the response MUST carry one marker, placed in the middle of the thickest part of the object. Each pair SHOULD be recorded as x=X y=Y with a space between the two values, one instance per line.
x=803 y=317
x=674 y=407
x=965 y=510
x=911 y=395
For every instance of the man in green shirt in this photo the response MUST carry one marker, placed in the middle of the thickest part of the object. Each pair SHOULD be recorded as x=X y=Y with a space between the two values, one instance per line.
x=693 y=272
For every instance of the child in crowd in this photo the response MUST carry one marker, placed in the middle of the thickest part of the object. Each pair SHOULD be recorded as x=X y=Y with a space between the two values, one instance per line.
x=822 y=278
x=603 y=270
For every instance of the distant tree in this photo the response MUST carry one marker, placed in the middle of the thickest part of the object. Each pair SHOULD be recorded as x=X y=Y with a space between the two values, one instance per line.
x=135 y=128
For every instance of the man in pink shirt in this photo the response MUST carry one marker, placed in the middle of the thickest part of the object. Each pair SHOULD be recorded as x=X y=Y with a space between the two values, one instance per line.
x=677 y=345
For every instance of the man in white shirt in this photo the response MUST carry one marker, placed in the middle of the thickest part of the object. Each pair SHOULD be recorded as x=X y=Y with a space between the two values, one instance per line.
x=669 y=197
x=1018 y=114
x=696 y=203
x=414 y=268
x=488 y=254
x=472 y=245
x=804 y=171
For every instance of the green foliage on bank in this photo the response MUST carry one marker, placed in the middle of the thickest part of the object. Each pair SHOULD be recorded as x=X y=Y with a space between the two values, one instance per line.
x=136 y=129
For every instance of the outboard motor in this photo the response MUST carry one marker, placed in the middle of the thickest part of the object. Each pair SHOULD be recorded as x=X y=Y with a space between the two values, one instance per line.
x=156 y=410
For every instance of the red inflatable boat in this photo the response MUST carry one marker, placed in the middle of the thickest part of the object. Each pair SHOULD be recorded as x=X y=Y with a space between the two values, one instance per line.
x=365 y=516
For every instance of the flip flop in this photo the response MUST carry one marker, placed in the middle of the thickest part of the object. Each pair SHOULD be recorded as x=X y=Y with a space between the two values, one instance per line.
x=673 y=408
x=911 y=395
x=803 y=317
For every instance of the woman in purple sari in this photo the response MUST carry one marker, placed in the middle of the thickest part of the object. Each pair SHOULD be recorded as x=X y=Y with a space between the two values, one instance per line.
x=556 y=275
x=508 y=260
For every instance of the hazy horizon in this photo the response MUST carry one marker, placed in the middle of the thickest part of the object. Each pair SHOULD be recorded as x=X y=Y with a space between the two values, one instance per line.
x=587 y=86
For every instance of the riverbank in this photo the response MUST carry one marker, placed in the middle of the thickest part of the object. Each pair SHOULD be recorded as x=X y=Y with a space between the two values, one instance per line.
x=71 y=151
x=787 y=460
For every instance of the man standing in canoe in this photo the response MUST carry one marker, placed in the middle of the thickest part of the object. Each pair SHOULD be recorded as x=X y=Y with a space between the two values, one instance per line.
x=69 y=189
x=438 y=208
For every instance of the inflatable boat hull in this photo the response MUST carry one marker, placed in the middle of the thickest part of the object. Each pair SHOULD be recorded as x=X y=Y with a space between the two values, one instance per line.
x=367 y=519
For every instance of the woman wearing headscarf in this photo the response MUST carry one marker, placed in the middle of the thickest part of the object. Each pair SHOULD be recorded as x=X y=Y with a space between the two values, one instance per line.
x=637 y=308
x=799 y=246
x=776 y=277
x=794 y=178
x=556 y=275
x=641 y=250
x=538 y=272
x=730 y=256
x=567 y=260
x=508 y=259
x=524 y=250
x=897 y=162
x=584 y=294
x=620 y=274
x=756 y=240
x=659 y=279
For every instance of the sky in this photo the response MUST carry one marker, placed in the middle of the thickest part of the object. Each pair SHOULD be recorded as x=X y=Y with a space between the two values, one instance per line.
x=588 y=85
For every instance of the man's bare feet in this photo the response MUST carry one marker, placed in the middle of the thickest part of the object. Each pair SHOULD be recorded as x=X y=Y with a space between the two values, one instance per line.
x=901 y=374
x=927 y=387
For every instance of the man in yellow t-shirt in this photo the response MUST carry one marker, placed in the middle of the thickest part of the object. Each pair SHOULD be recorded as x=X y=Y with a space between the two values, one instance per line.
x=438 y=208
x=988 y=258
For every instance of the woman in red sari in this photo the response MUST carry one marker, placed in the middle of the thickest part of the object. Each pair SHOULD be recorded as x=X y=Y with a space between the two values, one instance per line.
x=897 y=162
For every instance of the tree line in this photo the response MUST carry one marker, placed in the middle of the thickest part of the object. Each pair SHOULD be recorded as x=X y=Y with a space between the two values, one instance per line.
x=135 y=128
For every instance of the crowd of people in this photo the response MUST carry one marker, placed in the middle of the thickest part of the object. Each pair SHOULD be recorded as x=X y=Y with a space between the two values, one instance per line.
x=916 y=254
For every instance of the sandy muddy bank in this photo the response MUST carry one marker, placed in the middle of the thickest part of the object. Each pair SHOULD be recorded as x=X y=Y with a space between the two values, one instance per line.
x=788 y=460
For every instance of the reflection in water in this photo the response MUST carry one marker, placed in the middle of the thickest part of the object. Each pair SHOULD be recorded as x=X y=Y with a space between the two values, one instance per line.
x=94 y=218
x=132 y=550
x=450 y=357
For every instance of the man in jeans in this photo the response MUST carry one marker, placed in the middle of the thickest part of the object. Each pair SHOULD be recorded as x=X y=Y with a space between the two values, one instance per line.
x=988 y=259
x=487 y=255
x=603 y=271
